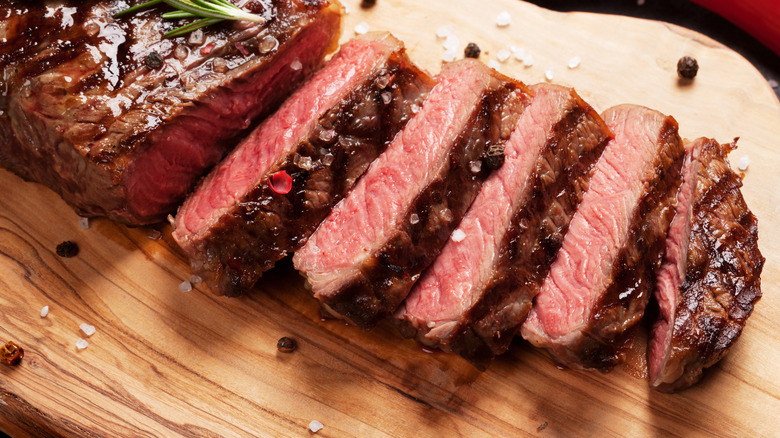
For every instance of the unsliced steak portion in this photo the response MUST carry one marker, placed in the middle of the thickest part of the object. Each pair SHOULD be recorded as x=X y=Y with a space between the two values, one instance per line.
x=121 y=121
x=478 y=291
x=364 y=258
x=238 y=223
x=596 y=291
x=710 y=278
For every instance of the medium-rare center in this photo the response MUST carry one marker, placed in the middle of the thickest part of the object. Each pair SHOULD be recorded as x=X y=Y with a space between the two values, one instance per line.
x=595 y=294
x=364 y=258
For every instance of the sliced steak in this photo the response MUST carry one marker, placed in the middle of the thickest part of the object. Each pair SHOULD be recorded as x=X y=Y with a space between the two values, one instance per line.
x=364 y=258
x=121 y=121
x=238 y=224
x=596 y=291
x=477 y=293
x=710 y=278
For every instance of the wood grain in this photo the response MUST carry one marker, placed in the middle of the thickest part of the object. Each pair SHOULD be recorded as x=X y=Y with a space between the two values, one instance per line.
x=164 y=363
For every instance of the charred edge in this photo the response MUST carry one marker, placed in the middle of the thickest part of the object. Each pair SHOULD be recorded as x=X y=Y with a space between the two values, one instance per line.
x=515 y=284
x=265 y=226
x=612 y=327
x=413 y=246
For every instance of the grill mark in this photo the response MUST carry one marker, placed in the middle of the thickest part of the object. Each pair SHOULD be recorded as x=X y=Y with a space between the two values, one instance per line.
x=488 y=331
x=377 y=290
x=263 y=227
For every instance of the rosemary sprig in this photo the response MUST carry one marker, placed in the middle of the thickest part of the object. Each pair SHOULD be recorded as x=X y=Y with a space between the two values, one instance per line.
x=209 y=11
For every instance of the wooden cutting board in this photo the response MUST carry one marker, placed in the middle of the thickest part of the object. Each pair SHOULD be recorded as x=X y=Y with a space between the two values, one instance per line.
x=166 y=363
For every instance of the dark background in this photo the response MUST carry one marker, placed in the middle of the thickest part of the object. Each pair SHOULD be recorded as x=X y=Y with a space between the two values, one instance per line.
x=686 y=14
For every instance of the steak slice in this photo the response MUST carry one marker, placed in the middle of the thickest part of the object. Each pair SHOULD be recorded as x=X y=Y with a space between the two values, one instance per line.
x=596 y=291
x=364 y=258
x=121 y=121
x=478 y=291
x=710 y=278
x=236 y=226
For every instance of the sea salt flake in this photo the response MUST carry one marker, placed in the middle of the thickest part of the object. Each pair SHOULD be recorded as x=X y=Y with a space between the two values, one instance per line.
x=443 y=31
x=451 y=43
x=387 y=97
x=449 y=55
x=518 y=53
x=548 y=74
x=185 y=286
x=458 y=235
x=195 y=279
x=503 y=19
x=475 y=166
x=315 y=426
x=328 y=159
x=415 y=108
x=494 y=64
x=267 y=44
x=196 y=37
x=744 y=162
x=88 y=330
x=503 y=55
x=296 y=65
x=45 y=311
x=361 y=28
x=574 y=62
x=81 y=344
x=528 y=61
x=84 y=223
x=414 y=219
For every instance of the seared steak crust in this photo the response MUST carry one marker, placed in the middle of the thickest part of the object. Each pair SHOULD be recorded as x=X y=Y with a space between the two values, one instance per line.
x=387 y=276
x=264 y=226
x=535 y=235
x=119 y=136
x=721 y=281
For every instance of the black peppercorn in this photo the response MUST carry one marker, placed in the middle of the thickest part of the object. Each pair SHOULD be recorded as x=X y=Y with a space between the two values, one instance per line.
x=286 y=345
x=366 y=4
x=687 y=67
x=472 y=51
x=494 y=156
x=67 y=249
x=11 y=354
x=154 y=61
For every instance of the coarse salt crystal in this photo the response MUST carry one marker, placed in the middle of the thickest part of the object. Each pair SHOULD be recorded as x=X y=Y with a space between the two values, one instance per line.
x=458 y=235
x=315 y=426
x=451 y=43
x=503 y=19
x=45 y=311
x=574 y=62
x=494 y=64
x=328 y=159
x=267 y=44
x=387 y=97
x=195 y=279
x=475 y=166
x=443 y=31
x=361 y=28
x=68 y=78
x=154 y=235
x=503 y=55
x=548 y=74
x=88 y=330
x=296 y=65
x=81 y=344
x=185 y=286
x=196 y=37
x=744 y=162
x=518 y=53
x=84 y=223
x=414 y=218
x=528 y=60
x=415 y=108
x=449 y=55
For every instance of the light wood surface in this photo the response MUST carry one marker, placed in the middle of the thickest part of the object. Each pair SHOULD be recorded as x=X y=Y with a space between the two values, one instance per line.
x=164 y=363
